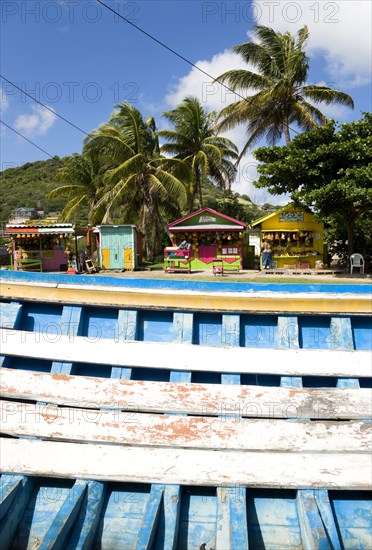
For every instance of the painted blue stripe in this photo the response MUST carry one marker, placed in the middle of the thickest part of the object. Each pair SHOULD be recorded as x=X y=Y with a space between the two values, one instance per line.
x=141 y=283
x=312 y=530
x=127 y=330
x=10 y=317
x=288 y=339
x=324 y=506
x=70 y=325
x=168 y=535
x=9 y=314
x=58 y=532
x=146 y=534
x=232 y=528
x=9 y=487
x=10 y=521
x=168 y=529
x=85 y=526
x=341 y=338
x=317 y=524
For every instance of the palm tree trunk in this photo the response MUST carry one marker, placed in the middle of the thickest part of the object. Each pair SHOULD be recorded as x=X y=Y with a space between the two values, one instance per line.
x=198 y=187
x=286 y=131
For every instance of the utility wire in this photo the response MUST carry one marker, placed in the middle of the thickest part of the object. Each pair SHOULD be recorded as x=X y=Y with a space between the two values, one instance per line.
x=163 y=45
x=45 y=106
x=32 y=143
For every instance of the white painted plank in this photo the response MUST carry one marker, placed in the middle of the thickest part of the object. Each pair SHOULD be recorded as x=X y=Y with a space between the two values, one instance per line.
x=117 y=427
x=204 y=399
x=185 y=466
x=186 y=357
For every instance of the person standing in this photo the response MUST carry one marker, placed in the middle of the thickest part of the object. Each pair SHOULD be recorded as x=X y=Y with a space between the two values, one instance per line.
x=267 y=254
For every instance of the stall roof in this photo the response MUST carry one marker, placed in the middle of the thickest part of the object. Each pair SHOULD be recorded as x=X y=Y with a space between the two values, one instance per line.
x=289 y=206
x=206 y=227
x=207 y=219
x=40 y=229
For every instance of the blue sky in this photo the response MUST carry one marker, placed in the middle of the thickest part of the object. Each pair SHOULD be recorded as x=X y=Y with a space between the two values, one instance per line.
x=80 y=59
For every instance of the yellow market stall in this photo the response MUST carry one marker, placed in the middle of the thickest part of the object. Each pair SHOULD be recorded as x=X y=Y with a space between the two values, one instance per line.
x=295 y=236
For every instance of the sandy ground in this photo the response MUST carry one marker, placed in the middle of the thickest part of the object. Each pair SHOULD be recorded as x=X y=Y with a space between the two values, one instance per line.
x=246 y=275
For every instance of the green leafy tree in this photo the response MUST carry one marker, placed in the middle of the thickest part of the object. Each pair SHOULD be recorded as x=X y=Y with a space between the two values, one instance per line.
x=281 y=96
x=82 y=179
x=326 y=169
x=194 y=140
x=138 y=182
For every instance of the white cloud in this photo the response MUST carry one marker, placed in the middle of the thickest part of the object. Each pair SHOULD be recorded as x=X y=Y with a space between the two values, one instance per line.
x=341 y=31
x=212 y=95
x=36 y=124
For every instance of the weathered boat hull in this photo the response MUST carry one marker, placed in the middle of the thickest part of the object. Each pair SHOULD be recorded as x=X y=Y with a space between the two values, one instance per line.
x=200 y=416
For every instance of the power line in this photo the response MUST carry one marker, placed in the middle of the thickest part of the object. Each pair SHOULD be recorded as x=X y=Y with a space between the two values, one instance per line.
x=45 y=106
x=163 y=45
x=32 y=143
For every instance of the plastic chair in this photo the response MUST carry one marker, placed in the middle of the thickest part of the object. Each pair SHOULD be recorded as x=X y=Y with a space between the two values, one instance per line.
x=357 y=260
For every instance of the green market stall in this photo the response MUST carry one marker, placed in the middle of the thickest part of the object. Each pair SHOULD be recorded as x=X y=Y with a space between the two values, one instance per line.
x=204 y=240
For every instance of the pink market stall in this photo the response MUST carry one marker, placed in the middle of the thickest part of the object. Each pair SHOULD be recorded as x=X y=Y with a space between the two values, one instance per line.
x=40 y=247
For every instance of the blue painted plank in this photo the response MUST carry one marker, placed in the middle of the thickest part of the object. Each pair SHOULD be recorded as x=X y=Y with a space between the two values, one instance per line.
x=288 y=339
x=146 y=534
x=183 y=327
x=312 y=521
x=232 y=529
x=341 y=338
x=325 y=509
x=91 y=280
x=230 y=337
x=71 y=320
x=10 y=316
x=127 y=324
x=127 y=330
x=59 y=529
x=312 y=531
x=85 y=526
x=9 y=487
x=9 y=523
x=183 y=333
x=169 y=522
x=168 y=538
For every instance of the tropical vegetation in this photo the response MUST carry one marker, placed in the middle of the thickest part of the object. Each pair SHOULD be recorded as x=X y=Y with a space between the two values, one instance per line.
x=129 y=172
x=82 y=179
x=281 y=95
x=138 y=183
x=329 y=170
x=194 y=139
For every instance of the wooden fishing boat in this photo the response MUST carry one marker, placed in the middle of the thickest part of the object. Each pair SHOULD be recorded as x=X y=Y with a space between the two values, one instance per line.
x=181 y=415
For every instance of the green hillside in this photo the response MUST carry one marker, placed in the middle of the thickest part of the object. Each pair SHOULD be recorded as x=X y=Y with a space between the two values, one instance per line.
x=28 y=186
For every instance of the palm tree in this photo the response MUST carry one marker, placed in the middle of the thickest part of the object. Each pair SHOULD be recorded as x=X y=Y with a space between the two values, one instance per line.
x=82 y=180
x=137 y=180
x=282 y=97
x=195 y=140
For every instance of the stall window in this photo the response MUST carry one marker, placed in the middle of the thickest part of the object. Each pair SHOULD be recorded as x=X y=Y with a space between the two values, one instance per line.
x=229 y=250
